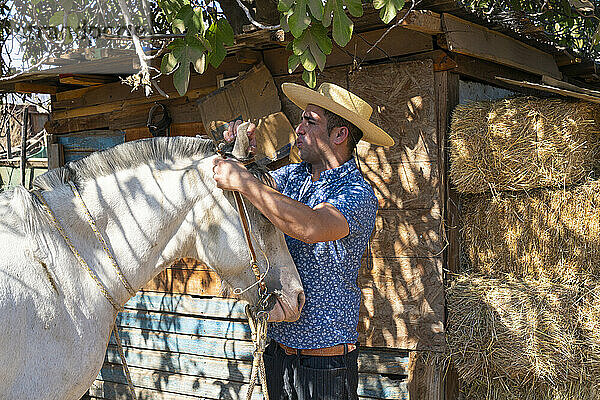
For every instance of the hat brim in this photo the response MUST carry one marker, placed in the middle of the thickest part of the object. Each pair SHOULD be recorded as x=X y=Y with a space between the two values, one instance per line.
x=303 y=96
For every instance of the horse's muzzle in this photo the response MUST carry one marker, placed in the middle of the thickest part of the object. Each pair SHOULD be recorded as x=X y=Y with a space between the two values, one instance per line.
x=287 y=308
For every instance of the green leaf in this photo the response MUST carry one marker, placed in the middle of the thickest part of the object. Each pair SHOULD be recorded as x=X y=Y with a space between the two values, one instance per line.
x=73 y=20
x=195 y=53
x=68 y=37
x=293 y=62
x=57 y=18
x=188 y=20
x=377 y=4
x=181 y=78
x=342 y=26
x=388 y=8
x=67 y=5
x=318 y=55
x=299 y=45
x=327 y=12
x=299 y=20
x=316 y=8
x=388 y=12
x=354 y=7
x=168 y=63
x=217 y=55
x=308 y=61
x=225 y=32
x=310 y=77
x=284 y=5
x=596 y=37
x=319 y=33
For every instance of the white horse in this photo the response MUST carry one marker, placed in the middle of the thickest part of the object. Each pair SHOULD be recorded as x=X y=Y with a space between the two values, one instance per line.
x=154 y=201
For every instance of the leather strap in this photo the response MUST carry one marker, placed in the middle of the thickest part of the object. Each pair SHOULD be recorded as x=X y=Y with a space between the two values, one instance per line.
x=337 y=350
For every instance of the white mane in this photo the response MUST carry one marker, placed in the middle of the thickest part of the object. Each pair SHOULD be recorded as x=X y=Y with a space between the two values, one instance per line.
x=125 y=156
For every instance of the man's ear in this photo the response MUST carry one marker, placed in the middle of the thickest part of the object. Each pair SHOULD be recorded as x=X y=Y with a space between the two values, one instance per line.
x=241 y=148
x=340 y=134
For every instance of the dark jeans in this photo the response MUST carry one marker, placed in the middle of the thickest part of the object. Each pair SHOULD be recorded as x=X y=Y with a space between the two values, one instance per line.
x=299 y=377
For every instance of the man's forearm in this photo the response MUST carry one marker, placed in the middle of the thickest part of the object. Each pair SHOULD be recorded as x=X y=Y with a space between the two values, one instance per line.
x=290 y=216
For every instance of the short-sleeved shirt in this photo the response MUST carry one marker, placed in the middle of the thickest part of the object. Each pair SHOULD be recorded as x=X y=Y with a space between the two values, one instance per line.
x=328 y=270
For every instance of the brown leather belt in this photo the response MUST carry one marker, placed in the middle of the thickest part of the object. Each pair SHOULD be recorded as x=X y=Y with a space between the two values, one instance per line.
x=336 y=350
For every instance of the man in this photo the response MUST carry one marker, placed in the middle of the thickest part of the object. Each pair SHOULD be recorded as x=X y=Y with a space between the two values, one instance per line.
x=327 y=212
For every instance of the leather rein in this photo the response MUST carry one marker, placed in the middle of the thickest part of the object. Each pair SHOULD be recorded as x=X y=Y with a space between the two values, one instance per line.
x=257 y=315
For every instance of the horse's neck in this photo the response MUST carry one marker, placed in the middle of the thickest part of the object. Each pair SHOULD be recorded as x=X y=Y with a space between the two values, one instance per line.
x=141 y=213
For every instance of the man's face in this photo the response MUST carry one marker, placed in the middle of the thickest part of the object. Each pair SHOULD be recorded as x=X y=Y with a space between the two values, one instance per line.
x=312 y=136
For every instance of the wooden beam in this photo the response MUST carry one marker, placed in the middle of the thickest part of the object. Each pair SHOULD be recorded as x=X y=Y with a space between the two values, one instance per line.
x=551 y=89
x=247 y=56
x=71 y=94
x=568 y=86
x=397 y=43
x=423 y=21
x=26 y=87
x=474 y=40
x=442 y=61
x=126 y=104
x=486 y=71
x=85 y=80
x=30 y=163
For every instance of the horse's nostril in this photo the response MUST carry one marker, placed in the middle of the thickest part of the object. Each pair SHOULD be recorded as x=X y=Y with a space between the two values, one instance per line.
x=301 y=300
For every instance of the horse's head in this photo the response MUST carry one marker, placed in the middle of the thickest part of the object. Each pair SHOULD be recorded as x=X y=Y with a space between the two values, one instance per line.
x=229 y=253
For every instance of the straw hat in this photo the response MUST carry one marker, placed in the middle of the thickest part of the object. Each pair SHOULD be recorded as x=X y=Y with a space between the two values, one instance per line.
x=343 y=103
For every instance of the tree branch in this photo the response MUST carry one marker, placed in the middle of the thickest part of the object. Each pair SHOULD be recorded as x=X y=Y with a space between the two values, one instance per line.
x=144 y=74
x=256 y=23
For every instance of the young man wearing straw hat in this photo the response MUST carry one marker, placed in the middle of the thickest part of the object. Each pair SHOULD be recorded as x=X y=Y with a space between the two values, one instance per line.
x=327 y=211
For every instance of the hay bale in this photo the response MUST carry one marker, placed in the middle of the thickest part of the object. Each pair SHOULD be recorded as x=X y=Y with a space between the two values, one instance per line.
x=522 y=331
x=503 y=389
x=522 y=143
x=552 y=234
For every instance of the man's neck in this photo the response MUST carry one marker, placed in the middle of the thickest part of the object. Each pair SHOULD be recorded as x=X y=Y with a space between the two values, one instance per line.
x=325 y=164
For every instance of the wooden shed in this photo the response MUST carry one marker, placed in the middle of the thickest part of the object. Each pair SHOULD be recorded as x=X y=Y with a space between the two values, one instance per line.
x=183 y=338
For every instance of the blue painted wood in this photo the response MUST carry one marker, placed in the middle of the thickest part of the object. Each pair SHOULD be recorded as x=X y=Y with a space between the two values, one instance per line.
x=374 y=386
x=182 y=324
x=189 y=305
x=176 y=383
x=223 y=369
x=79 y=145
x=371 y=361
x=189 y=344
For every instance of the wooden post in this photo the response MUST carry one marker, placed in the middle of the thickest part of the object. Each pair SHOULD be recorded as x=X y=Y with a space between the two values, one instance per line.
x=8 y=144
x=24 y=143
x=447 y=97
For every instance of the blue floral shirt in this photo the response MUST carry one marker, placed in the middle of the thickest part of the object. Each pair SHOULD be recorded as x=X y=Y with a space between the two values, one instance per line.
x=328 y=270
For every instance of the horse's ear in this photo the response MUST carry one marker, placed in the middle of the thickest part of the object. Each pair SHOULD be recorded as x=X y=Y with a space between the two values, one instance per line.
x=241 y=148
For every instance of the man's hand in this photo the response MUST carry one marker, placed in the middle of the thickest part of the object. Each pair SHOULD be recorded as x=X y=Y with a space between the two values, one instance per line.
x=231 y=132
x=230 y=174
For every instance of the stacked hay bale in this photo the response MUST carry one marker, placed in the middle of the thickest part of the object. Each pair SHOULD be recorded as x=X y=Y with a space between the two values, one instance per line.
x=524 y=309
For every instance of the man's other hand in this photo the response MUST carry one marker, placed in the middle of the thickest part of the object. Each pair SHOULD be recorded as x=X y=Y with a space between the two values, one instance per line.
x=231 y=132
x=230 y=174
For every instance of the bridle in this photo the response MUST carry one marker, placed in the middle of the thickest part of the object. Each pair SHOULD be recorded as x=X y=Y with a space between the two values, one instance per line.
x=258 y=314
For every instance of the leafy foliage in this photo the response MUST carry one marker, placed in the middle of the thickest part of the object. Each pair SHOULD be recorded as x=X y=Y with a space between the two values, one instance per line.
x=205 y=39
x=568 y=23
x=309 y=20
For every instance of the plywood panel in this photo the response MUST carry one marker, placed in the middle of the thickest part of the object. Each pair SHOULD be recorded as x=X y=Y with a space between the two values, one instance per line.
x=179 y=280
x=395 y=314
x=407 y=233
x=398 y=185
